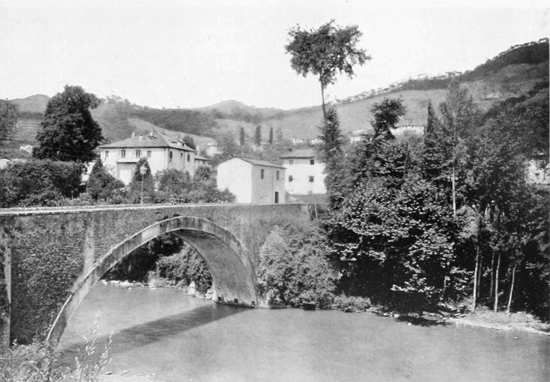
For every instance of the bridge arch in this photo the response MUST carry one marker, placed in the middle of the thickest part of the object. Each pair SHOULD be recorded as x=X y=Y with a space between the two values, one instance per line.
x=231 y=268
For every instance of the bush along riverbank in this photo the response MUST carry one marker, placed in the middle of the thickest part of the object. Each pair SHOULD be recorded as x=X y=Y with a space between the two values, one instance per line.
x=295 y=270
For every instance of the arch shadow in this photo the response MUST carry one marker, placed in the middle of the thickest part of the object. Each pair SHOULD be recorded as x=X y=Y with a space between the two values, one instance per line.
x=233 y=276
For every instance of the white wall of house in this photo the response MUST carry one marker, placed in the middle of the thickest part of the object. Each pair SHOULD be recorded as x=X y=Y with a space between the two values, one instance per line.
x=235 y=175
x=121 y=162
x=251 y=183
x=266 y=187
x=303 y=177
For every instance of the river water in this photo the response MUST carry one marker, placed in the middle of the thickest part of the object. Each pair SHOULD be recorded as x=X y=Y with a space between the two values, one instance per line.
x=165 y=335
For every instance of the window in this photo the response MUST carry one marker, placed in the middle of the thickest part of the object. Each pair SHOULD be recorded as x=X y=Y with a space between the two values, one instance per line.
x=290 y=178
x=181 y=156
x=311 y=179
x=170 y=156
x=123 y=153
x=106 y=154
x=138 y=153
x=148 y=153
x=262 y=173
x=277 y=175
x=188 y=157
x=291 y=161
x=312 y=162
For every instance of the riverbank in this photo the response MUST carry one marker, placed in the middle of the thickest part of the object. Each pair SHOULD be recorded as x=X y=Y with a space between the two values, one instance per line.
x=519 y=321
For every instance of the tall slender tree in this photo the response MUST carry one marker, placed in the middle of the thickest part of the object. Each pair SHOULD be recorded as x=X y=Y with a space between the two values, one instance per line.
x=325 y=52
x=258 y=136
x=271 y=135
x=242 y=137
x=332 y=154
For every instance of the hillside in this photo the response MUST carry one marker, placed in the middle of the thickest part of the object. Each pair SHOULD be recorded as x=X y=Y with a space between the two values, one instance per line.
x=510 y=74
x=35 y=104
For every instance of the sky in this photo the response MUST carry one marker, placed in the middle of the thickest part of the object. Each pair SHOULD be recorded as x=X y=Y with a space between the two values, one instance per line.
x=198 y=52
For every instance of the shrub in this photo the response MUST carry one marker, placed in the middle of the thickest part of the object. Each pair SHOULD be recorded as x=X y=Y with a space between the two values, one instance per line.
x=102 y=185
x=186 y=266
x=293 y=268
x=39 y=182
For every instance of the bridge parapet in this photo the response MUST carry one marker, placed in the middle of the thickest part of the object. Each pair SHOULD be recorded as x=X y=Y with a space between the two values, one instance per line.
x=45 y=253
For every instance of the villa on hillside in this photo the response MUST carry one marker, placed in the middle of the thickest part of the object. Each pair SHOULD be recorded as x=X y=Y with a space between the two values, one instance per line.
x=304 y=172
x=161 y=152
x=252 y=181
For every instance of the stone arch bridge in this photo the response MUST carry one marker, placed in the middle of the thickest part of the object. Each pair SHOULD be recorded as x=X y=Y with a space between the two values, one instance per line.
x=51 y=257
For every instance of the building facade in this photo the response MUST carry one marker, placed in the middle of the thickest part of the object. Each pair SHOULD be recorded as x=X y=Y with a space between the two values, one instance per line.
x=304 y=172
x=120 y=158
x=252 y=181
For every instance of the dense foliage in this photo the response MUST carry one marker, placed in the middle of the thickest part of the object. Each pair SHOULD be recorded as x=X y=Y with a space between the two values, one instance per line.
x=8 y=119
x=69 y=133
x=293 y=268
x=101 y=185
x=39 y=182
x=421 y=224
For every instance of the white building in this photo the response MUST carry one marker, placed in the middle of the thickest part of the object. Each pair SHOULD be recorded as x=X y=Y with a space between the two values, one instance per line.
x=120 y=158
x=304 y=172
x=252 y=181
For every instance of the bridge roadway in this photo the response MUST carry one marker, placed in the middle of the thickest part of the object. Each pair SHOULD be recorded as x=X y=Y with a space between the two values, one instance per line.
x=51 y=257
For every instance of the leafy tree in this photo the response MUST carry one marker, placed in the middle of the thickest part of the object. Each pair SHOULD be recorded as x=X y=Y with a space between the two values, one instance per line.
x=102 y=185
x=173 y=182
x=69 y=133
x=258 y=136
x=435 y=151
x=386 y=115
x=8 y=119
x=459 y=117
x=242 y=137
x=324 y=52
x=391 y=242
x=203 y=174
x=142 y=185
x=293 y=268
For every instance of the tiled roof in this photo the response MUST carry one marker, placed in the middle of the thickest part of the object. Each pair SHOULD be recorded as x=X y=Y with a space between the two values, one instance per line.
x=300 y=153
x=199 y=157
x=263 y=163
x=147 y=141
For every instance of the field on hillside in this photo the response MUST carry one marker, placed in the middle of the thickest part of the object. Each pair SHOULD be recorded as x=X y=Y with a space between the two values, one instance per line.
x=510 y=81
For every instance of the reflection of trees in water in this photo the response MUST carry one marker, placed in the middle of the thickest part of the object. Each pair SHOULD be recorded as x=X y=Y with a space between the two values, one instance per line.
x=169 y=257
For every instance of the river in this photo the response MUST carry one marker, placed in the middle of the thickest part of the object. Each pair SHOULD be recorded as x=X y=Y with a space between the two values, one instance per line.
x=165 y=335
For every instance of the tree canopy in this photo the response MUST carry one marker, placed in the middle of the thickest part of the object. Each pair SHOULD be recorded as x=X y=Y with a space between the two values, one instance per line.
x=69 y=133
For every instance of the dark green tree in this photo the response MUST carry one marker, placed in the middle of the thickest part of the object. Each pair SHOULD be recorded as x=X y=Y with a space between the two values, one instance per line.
x=435 y=151
x=173 y=182
x=101 y=185
x=386 y=115
x=142 y=185
x=258 y=136
x=332 y=154
x=325 y=52
x=242 y=137
x=69 y=133
x=8 y=119
x=203 y=174
x=271 y=135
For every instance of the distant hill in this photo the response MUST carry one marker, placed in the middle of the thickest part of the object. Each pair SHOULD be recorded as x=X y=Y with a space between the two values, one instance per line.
x=238 y=111
x=510 y=74
x=35 y=104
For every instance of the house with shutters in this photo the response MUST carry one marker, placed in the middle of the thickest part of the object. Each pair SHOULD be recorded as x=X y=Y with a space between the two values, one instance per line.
x=304 y=172
x=162 y=153
x=252 y=181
